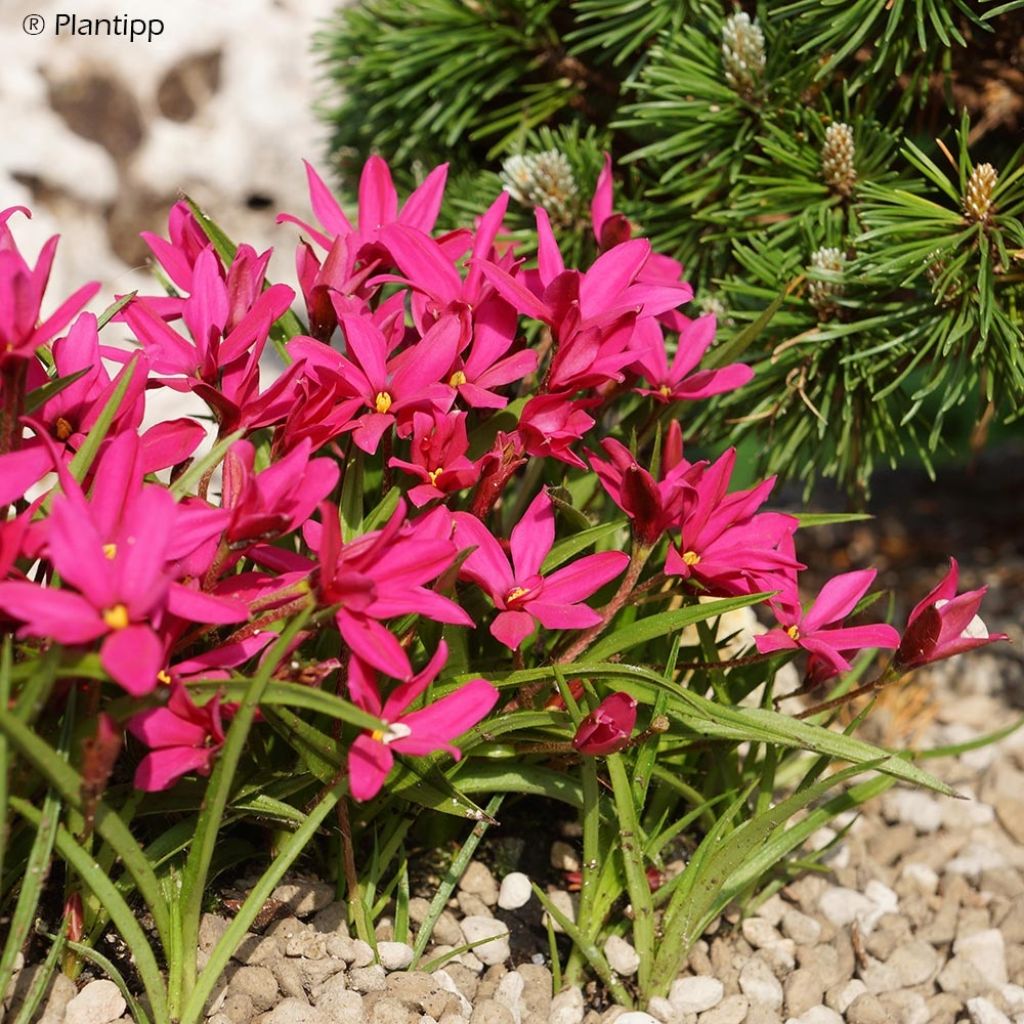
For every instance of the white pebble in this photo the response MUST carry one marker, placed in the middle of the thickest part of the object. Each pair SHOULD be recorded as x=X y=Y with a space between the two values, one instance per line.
x=816 y=1015
x=842 y=996
x=759 y=932
x=622 y=958
x=497 y=950
x=981 y=1011
x=922 y=876
x=564 y=857
x=394 y=956
x=695 y=995
x=914 y=807
x=515 y=891
x=100 y=1002
x=567 y=1007
x=986 y=952
x=759 y=984
x=636 y=1017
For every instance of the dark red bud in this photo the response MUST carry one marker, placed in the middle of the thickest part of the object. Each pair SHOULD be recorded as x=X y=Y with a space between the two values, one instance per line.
x=608 y=727
x=642 y=502
x=920 y=638
x=614 y=231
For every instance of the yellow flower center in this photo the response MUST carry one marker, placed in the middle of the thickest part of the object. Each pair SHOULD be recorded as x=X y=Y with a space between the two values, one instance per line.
x=394 y=731
x=665 y=390
x=116 y=617
x=435 y=473
x=163 y=677
x=110 y=551
x=63 y=429
x=515 y=593
x=691 y=558
x=793 y=633
x=382 y=403
x=457 y=379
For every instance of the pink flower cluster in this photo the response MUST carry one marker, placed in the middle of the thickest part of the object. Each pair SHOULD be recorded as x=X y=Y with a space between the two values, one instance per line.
x=415 y=343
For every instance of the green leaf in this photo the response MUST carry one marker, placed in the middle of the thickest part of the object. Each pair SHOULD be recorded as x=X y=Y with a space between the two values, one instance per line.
x=113 y=309
x=572 y=546
x=195 y=473
x=829 y=518
x=41 y=395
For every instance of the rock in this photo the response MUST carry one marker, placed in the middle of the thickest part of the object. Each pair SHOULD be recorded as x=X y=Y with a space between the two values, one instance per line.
x=636 y=1017
x=922 y=876
x=986 y=951
x=341 y=947
x=100 y=1002
x=567 y=1007
x=362 y=953
x=447 y=930
x=515 y=891
x=866 y=1009
x=731 y=1010
x=975 y=858
x=332 y=919
x=536 y=992
x=256 y=949
x=981 y=1011
x=478 y=880
x=367 y=979
x=843 y=906
x=827 y=963
x=759 y=984
x=801 y=928
x=780 y=956
x=960 y=977
x=496 y=951
x=211 y=928
x=758 y=1013
x=915 y=962
x=773 y=909
x=510 y=993
x=905 y=1007
x=879 y=977
x=258 y=983
x=490 y=1011
x=662 y=1010
x=943 y=1008
x=759 y=932
x=839 y=997
x=564 y=857
x=472 y=906
x=62 y=991
x=803 y=990
x=304 y=897
x=913 y=807
x=1010 y=813
x=237 y=1008
x=695 y=995
x=294 y=1011
x=817 y=1015
x=311 y=945
x=622 y=957
x=566 y=903
x=394 y=956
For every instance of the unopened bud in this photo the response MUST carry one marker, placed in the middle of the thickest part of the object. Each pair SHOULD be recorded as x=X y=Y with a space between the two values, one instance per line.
x=978 y=195
x=837 y=158
x=822 y=293
x=541 y=179
x=742 y=53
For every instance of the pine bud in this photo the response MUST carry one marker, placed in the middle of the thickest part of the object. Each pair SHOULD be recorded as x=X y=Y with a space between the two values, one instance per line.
x=978 y=197
x=822 y=293
x=742 y=53
x=837 y=158
x=541 y=179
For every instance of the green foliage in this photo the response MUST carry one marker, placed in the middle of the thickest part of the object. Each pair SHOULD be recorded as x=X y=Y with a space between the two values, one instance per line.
x=777 y=152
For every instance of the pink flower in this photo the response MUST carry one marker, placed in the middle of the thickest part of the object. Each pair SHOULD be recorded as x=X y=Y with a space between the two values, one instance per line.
x=678 y=382
x=944 y=624
x=419 y=733
x=550 y=424
x=521 y=593
x=608 y=727
x=807 y=629
x=725 y=544
x=181 y=737
x=439 y=446
x=652 y=506
x=22 y=288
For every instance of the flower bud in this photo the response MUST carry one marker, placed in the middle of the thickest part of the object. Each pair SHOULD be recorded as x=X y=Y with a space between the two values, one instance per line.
x=978 y=194
x=837 y=158
x=608 y=727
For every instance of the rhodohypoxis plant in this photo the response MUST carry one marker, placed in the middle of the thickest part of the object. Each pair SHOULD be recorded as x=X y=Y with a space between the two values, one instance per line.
x=456 y=537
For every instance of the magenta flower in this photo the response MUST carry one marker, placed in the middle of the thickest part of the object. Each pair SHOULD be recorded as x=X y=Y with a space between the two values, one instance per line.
x=519 y=591
x=944 y=624
x=807 y=629
x=419 y=733
x=610 y=228
x=549 y=425
x=652 y=506
x=439 y=446
x=181 y=738
x=22 y=288
x=608 y=727
x=388 y=390
x=725 y=544
x=178 y=254
x=679 y=382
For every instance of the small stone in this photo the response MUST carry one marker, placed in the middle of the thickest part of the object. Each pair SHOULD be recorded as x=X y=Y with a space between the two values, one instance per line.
x=780 y=956
x=311 y=945
x=447 y=930
x=289 y=978
x=662 y=1010
x=362 y=953
x=915 y=962
x=621 y=956
x=731 y=1010
x=490 y=1011
x=817 y=1015
x=536 y=992
x=1010 y=813
x=843 y=906
x=987 y=952
x=341 y=947
x=801 y=928
x=567 y=1007
x=1013 y=997
x=332 y=919
x=943 y=1008
x=636 y=1017
x=62 y=991
x=803 y=990
x=961 y=978
x=237 y=1008
x=510 y=993
x=367 y=979
x=394 y=956
x=339 y=1002
x=981 y=1011
x=773 y=909
x=840 y=997
x=879 y=977
x=497 y=950
x=211 y=928
x=564 y=857
x=914 y=807
x=975 y=858
x=760 y=933
x=922 y=876
x=304 y=896
x=866 y=1009
x=759 y=984
x=258 y=983
x=564 y=902
x=905 y=1007
x=478 y=880
x=695 y=995
x=515 y=891
x=294 y=1011
x=100 y=1002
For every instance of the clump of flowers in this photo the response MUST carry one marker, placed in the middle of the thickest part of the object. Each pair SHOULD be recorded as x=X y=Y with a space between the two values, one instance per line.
x=370 y=579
